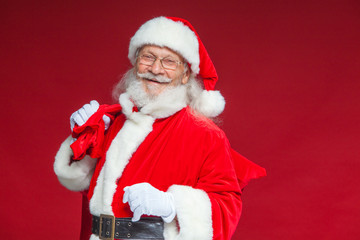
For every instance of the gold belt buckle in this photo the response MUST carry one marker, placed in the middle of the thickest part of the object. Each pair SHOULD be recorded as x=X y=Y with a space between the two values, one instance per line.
x=109 y=227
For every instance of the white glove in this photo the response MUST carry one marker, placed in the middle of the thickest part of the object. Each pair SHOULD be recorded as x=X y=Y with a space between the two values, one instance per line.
x=83 y=114
x=145 y=199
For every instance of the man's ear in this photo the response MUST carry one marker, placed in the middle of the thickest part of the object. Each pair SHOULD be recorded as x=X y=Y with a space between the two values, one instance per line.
x=185 y=77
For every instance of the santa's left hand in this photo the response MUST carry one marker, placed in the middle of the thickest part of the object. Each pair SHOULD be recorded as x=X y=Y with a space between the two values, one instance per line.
x=145 y=199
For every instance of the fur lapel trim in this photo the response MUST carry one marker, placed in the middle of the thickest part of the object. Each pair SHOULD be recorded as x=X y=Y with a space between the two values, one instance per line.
x=135 y=129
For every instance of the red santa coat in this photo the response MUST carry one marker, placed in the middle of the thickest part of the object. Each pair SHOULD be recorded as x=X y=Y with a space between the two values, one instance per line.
x=174 y=150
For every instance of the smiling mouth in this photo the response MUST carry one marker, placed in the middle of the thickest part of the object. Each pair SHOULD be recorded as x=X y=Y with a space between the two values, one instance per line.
x=154 y=81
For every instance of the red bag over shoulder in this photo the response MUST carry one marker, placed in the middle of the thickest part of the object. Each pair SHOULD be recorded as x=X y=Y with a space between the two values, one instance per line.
x=245 y=169
x=90 y=136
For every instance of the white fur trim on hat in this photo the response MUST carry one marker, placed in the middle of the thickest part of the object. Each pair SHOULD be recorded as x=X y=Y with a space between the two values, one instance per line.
x=209 y=103
x=165 y=32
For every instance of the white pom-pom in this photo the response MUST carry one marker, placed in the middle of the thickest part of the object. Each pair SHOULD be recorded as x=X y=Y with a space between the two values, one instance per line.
x=210 y=103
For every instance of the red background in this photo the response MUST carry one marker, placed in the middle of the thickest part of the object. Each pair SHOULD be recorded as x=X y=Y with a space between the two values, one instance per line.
x=290 y=73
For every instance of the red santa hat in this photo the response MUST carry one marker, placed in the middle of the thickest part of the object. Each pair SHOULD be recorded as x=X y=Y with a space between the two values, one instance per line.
x=180 y=36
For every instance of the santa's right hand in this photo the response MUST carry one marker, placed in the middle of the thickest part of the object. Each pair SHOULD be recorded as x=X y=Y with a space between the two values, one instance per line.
x=83 y=114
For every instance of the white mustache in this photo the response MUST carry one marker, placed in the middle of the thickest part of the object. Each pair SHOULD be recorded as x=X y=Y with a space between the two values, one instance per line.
x=160 y=79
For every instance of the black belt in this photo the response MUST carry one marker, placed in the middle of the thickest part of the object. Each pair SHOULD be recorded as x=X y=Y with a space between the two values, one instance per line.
x=108 y=227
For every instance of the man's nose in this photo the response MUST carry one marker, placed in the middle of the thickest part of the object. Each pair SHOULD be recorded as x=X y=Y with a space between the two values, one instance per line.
x=157 y=68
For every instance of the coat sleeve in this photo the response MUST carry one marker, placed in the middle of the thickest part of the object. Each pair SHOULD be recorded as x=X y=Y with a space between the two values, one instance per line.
x=211 y=209
x=75 y=175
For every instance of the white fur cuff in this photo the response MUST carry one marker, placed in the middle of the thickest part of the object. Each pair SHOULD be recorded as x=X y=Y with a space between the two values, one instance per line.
x=94 y=237
x=77 y=176
x=193 y=209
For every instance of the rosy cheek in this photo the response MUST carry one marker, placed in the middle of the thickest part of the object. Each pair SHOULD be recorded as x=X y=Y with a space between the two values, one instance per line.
x=141 y=68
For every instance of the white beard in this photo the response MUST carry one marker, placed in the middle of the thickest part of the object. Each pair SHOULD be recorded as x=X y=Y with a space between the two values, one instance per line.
x=137 y=93
x=142 y=98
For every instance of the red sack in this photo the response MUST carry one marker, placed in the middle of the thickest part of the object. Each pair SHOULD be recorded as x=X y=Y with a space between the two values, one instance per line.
x=245 y=169
x=90 y=136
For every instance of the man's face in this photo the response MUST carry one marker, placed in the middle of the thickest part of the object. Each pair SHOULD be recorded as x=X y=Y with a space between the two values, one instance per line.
x=153 y=86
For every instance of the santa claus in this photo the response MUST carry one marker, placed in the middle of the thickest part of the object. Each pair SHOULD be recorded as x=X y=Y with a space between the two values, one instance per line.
x=155 y=166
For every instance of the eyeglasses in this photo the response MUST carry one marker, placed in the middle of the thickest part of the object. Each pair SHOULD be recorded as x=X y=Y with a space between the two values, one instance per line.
x=167 y=63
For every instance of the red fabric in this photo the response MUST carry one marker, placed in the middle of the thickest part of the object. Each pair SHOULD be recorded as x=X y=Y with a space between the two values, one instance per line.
x=90 y=136
x=245 y=169
x=207 y=69
x=204 y=160
x=110 y=135
x=86 y=218
x=184 y=150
